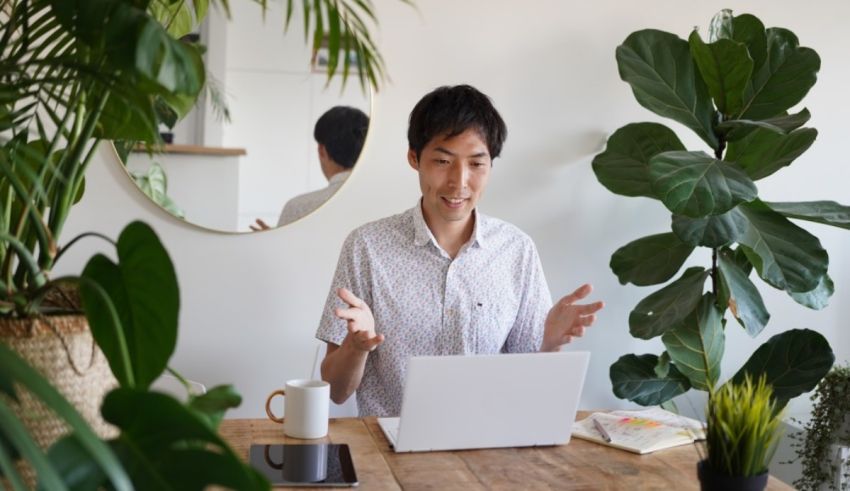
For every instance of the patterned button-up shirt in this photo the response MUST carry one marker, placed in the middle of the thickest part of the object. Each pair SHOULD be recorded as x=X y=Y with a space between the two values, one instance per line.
x=491 y=298
x=304 y=204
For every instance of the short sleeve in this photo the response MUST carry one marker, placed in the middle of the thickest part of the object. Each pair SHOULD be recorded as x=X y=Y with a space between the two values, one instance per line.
x=351 y=273
x=526 y=335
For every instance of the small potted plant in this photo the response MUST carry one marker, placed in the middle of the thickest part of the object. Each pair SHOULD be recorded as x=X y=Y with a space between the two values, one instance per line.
x=742 y=432
x=825 y=448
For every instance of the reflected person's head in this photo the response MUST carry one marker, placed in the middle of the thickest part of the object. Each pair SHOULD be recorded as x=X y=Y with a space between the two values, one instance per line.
x=449 y=111
x=340 y=133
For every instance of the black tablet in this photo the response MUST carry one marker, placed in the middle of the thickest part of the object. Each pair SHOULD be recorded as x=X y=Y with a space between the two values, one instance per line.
x=305 y=465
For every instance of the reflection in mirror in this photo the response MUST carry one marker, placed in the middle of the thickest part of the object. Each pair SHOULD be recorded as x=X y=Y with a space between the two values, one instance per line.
x=236 y=173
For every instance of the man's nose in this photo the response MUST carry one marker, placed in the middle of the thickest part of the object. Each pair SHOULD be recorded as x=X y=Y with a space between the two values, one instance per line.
x=458 y=175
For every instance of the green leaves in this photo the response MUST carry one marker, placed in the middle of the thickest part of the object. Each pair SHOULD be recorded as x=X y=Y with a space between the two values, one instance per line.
x=633 y=377
x=696 y=347
x=163 y=445
x=793 y=362
x=818 y=298
x=711 y=231
x=650 y=260
x=763 y=152
x=825 y=212
x=744 y=299
x=735 y=129
x=725 y=67
x=784 y=79
x=753 y=76
x=136 y=323
x=695 y=184
x=668 y=307
x=13 y=368
x=623 y=167
x=785 y=255
x=659 y=67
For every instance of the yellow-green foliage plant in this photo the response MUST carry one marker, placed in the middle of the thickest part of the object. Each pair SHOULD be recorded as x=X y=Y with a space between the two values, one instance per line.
x=742 y=427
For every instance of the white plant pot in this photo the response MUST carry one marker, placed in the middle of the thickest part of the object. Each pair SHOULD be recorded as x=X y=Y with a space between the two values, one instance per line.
x=838 y=459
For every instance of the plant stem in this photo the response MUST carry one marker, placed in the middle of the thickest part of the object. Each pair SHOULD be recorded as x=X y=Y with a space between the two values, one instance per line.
x=714 y=273
x=718 y=154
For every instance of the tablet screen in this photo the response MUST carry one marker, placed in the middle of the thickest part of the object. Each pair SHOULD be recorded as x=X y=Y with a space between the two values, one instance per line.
x=304 y=465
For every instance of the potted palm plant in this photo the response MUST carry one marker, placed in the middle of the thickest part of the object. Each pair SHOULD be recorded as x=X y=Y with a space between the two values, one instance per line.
x=72 y=74
x=743 y=424
x=735 y=92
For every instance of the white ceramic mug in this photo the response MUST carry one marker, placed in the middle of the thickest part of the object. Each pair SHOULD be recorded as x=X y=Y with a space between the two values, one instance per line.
x=306 y=404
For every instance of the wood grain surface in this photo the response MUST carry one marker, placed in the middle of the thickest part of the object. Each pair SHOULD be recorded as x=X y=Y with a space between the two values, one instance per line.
x=580 y=465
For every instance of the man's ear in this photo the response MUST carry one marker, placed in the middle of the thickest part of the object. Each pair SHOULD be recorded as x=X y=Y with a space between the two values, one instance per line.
x=412 y=159
x=323 y=152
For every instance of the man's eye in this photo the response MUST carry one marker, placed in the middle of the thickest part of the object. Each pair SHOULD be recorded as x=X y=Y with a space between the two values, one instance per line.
x=479 y=164
x=442 y=161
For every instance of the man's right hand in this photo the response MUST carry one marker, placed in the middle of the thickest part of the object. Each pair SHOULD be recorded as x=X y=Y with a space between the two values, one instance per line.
x=361 y=323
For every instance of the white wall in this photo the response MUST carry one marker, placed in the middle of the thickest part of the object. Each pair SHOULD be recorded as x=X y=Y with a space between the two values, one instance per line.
x=251 y=303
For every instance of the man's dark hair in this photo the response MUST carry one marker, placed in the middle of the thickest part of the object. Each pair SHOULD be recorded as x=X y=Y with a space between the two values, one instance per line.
x=450 y=111
x=342 y=130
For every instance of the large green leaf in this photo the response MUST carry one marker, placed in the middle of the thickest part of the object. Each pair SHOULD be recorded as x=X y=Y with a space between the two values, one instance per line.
x=793 y=362
x=735 y=129
x=668 y=307
x=744 y=299
x=13 y=368
x=142 y=287
x=711 y=231
x=785 y=255
x=164 y=444
x=748 y=29
x=623 y=167
x=212 y=405
x=696 y=185
x=763 y=152
x=633 y=377
x=825 y=212
x=725 y=67
x=650 y=260
x=818 y=298
x=696 y=346
x=784 y=79
x=659 y=67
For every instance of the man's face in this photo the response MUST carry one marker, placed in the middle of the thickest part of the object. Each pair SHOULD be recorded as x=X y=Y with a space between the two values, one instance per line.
x=453 y=173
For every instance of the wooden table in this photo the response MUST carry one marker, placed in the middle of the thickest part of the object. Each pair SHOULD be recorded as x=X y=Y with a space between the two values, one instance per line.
x=580 y=465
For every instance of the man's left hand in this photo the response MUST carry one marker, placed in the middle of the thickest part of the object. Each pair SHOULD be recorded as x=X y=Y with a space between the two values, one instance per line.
x=567 y=319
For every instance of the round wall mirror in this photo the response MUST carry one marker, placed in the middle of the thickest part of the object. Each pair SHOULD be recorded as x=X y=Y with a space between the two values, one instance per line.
x=248 y=148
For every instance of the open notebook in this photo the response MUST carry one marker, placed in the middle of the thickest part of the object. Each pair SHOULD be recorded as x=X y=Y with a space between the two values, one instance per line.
x=642 y=432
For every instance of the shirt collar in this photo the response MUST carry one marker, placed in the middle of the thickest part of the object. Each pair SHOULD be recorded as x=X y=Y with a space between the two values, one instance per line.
x=422 y=234
x=339 y=177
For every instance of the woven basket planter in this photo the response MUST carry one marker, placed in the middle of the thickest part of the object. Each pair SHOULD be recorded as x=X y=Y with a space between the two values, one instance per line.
x=63 y=350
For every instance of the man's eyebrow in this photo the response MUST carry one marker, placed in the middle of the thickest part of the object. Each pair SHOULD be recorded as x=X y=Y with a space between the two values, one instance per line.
x=447 y=152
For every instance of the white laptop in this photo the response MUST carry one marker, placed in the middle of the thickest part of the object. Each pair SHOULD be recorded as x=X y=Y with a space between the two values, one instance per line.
x=487 y=401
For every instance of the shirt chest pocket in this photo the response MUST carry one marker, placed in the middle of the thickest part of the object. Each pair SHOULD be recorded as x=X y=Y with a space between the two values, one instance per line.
x=491 y=321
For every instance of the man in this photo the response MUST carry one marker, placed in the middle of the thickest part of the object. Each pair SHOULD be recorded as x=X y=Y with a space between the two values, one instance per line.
x=339 y=133
x=441 y=278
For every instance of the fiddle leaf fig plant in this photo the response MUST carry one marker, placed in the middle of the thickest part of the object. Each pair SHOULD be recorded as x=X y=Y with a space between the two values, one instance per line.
x=734 y=90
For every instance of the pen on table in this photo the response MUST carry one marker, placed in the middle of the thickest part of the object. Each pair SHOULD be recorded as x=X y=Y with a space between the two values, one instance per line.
x=601 y=430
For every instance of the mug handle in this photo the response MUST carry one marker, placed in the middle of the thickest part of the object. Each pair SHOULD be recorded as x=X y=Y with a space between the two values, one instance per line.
x=269 y=408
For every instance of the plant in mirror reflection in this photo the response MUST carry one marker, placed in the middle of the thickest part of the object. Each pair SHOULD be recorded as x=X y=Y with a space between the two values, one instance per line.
x=734 y=91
